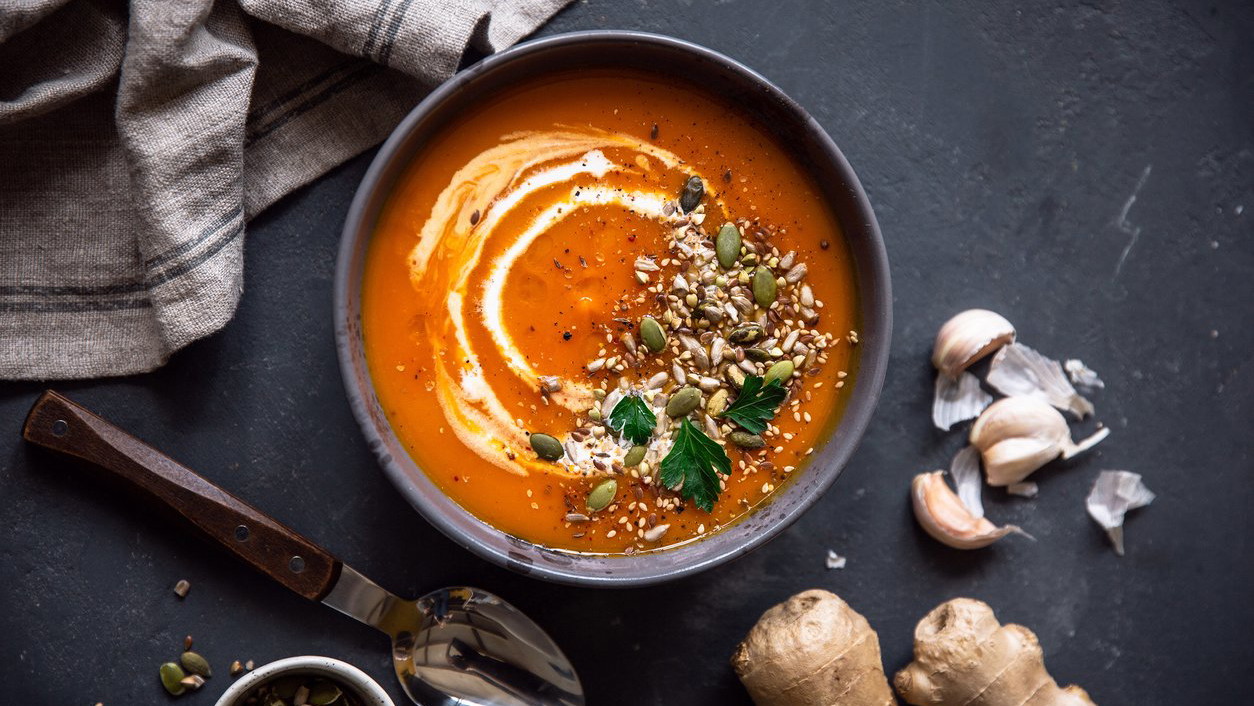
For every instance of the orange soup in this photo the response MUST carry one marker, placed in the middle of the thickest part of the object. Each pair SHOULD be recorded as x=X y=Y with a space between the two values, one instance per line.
x=607 y=313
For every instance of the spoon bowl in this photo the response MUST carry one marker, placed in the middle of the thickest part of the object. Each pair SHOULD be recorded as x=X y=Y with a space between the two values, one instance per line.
x=462 y=646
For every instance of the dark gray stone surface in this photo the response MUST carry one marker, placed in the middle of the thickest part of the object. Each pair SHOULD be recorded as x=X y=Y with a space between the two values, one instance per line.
x=1085 y=168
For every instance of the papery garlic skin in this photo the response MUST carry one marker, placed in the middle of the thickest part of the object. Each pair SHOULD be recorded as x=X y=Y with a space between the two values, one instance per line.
x=1018 y=435
x=965 y=470
x=968 y=337
x=1114 y=494
x=1019 y=371
x=957 y=400
x=943 y=516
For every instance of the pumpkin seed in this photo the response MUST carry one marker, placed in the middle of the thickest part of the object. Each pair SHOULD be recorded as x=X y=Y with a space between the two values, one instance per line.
x=749 y=260
x=745 y=334
x=736 y=376
x=757 y=354
x=764 y=287
x=547 y=447
x=652 y=334
x=323 y=693
x=745 y=440
x=172 y=677
x=780 y=371
x=602 y=495
x=717 y=403
x=634 y=456
x=594 y=414
x=727 y=245
x=694 y=189
x=683 y=402
x=195 y=664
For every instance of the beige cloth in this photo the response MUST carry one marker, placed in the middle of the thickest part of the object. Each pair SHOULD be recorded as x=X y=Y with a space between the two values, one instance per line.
x=135 y=143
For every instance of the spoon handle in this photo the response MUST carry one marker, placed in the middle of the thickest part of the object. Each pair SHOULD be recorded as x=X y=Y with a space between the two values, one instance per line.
x=272 y=548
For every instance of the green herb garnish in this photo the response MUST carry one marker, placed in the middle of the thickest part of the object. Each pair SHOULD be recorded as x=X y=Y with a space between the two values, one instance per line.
x=691 y=464
x=756 y=404
x=632 y=418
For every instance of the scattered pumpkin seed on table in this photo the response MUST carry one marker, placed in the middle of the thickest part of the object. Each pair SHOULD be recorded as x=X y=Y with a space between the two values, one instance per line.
x=172 y=677
x=193 y=663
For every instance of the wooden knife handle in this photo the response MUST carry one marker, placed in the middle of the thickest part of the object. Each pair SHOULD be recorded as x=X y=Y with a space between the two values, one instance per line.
x=272 y=548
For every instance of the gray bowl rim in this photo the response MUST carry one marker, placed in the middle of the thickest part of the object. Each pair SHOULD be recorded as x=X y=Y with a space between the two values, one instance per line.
x=497 y=546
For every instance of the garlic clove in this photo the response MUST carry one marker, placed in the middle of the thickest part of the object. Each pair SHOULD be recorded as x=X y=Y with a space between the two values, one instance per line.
x=943 y=516
x=968 y=337
x=1114 y=493
x=1011 y=460
x=1018 y=435
x=965 y=470
x=1019 y=371
x=957 y=400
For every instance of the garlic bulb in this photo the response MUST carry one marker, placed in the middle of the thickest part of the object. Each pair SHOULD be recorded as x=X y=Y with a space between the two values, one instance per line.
x=968 y=337
x=1018 y=435
x=943 y=516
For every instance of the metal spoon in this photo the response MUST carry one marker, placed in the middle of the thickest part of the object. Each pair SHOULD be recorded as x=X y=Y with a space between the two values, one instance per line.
x=452 y=647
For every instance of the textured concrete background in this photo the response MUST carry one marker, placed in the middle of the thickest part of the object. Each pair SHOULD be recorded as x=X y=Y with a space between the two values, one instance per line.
x=1085 y=168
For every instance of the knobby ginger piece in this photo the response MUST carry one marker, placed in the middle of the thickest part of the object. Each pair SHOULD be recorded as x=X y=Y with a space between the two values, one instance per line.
x=812 y=650
x=963 y=655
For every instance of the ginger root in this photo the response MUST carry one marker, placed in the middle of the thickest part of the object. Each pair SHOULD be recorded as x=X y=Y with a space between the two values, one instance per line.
x=812 y=650
x=963 y=655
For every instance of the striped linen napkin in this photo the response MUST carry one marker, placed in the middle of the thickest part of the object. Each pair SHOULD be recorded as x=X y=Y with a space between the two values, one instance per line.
x=136 y=142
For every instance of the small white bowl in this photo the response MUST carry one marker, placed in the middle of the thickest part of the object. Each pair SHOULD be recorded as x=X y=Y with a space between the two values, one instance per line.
x=367 y=690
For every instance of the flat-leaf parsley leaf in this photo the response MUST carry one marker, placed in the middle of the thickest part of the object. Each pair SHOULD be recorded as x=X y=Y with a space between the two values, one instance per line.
x=692 y=462
x=632 y=418
x=756 y=404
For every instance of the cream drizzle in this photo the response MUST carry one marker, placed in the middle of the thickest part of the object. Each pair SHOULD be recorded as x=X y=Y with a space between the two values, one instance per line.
x=449 y=249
